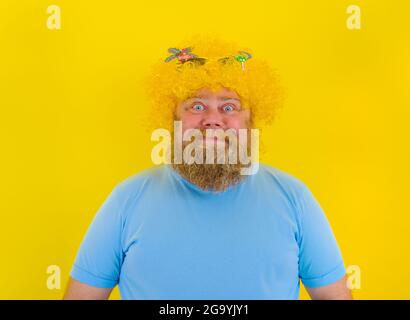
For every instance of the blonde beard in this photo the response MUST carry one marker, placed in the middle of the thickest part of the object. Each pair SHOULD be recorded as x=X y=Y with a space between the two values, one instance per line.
x=213 y=176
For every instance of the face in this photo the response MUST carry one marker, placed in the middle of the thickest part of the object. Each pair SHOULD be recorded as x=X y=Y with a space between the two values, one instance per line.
x=213 y=110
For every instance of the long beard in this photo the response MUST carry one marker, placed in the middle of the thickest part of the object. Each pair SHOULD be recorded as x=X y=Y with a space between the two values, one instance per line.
x=212 y=176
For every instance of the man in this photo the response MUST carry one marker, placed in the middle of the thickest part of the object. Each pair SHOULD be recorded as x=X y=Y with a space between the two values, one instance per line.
x=206 y=231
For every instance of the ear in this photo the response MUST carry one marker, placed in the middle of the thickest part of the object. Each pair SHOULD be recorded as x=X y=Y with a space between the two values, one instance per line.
x=177 y=112
x=176 y=109
x=249 y=120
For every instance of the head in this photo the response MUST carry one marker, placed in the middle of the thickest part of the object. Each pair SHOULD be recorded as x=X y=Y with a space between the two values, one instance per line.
x=213 y=95
x=207 y=110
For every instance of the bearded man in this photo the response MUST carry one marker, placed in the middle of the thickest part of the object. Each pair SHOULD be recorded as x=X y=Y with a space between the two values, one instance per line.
x=200 y=230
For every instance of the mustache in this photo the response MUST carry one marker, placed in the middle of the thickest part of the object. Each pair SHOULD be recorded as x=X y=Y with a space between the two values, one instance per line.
x=220 y=134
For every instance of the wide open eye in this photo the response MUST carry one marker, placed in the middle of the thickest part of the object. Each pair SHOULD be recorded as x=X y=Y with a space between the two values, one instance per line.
x=198 y=107
x=228 y=108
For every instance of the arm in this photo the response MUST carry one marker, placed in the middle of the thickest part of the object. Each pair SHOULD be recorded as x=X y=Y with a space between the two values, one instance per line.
x=335 y=291
x=97 y=266
x=322 y=270
x=77 y=290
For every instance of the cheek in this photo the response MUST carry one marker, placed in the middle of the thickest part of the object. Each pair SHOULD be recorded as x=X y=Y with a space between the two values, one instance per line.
x=190 y=121
x=237 y=122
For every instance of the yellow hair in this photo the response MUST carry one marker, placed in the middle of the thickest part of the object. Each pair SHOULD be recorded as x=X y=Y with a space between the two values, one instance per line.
x=170 y=83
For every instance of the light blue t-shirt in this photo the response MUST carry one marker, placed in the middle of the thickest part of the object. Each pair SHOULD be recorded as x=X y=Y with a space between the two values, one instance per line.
x=158 y=236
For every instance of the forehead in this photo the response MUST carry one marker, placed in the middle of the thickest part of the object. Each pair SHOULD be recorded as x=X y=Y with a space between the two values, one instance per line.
x=223 y=94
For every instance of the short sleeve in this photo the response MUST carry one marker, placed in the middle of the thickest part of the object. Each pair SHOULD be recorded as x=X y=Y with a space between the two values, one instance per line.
x=320 y=259
x=99 y=258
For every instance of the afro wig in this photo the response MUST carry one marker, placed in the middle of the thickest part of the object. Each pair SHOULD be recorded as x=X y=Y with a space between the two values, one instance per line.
x=254 y=81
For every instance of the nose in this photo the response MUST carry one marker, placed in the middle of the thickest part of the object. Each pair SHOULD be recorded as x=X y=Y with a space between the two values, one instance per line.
x=212 y=120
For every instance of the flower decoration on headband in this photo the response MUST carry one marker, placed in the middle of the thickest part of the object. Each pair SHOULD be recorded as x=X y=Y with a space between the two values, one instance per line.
x=182 y=55
x=185 y=55
x=241 y=57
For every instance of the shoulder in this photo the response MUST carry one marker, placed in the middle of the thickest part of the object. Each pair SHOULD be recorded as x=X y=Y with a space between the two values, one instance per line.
x=291 y=186
x=131 y=187
x=286 y=180
x=144 y=176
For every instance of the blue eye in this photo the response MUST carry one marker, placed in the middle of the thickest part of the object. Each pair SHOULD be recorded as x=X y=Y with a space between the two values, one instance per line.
x=198 y=107
x=228 y=108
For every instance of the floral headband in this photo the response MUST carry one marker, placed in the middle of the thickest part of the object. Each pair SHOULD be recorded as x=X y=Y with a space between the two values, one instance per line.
x=184 y=55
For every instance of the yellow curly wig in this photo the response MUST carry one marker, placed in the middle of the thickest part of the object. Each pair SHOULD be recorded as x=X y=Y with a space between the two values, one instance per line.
x=169 y=83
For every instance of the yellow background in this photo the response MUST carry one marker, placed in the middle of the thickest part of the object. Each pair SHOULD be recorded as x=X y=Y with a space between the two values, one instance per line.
x=71 y=106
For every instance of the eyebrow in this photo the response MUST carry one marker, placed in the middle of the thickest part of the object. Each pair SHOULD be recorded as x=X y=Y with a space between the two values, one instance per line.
x=219 y=98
